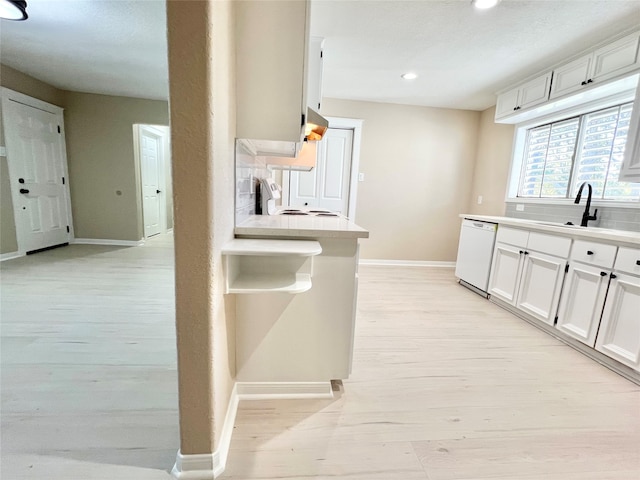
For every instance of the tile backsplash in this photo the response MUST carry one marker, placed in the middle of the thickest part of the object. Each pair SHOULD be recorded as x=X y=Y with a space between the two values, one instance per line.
x=249 y=169
x=608 y=217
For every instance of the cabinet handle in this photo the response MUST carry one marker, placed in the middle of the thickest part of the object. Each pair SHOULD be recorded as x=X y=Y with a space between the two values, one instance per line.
x=24 y=190
x=589 y=252
x=590 y=80
x=584 y=82
x=603 y=274
x=526 y=253
x=637 y=262
x=515 y=108
x=21 y=180
x=521 y=252
x=613 y=275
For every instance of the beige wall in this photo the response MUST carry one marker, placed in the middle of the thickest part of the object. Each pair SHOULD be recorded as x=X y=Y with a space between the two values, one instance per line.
x=491 y=171
x=202 y=99
x=18 y=81
x=418 y=166
x=99 y=132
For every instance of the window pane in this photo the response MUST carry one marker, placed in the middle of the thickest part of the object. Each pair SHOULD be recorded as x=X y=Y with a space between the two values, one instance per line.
x=548 y=156
x=615 y=190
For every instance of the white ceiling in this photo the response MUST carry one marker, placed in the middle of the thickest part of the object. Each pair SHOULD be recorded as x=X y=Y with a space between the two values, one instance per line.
x=463 y=55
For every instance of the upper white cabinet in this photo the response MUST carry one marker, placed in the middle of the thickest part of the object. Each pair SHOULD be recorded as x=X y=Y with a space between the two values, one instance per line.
x=314 y=82
x=272 y=40
x=630 y=171
x=527 y=95
x=609 y=61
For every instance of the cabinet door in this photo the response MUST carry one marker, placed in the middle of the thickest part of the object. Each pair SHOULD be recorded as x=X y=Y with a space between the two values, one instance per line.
x=582 y=302
x=507 y=103
x=534 y=92
x=571 y=77
x=315 y=67
x=540 y=286
x=630 y=171
x=619 y=335
x=505 y=272
x=616 y=58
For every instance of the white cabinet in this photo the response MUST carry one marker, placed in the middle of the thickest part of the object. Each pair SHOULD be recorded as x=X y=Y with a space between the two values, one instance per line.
x=314 y=82
x=585 y=290
x=630 y=171
x=582 y=302
x=602 y=64
x=527 y=271
x=272 y=41
x=527 y=95
x=619 y=334
x=540 y=285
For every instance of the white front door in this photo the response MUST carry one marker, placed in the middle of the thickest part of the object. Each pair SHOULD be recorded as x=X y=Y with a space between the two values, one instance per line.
x=327 y=185
x=37 y=164
x=152 y=165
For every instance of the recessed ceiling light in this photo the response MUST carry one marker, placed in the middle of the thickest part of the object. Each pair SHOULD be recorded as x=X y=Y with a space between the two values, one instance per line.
x=13 y=9
x=484 y=4
x=409 y=76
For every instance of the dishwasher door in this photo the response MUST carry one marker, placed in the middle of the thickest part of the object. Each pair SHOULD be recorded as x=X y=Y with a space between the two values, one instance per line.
x=475 y=252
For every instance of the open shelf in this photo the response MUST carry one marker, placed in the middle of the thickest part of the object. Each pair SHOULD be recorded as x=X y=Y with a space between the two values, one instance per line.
x=269 y=266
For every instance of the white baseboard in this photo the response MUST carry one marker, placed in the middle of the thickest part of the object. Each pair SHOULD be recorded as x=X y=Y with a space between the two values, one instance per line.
x=10 y=255
x=208 y=466
x=107 y=241
x=407 y=263
x=283 y=390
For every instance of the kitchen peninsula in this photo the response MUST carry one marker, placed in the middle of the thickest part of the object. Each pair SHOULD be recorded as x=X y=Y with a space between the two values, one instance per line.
x=304 y=334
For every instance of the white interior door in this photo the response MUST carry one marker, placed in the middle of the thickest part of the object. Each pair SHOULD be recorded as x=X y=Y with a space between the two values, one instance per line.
x=37 y=165
x=327 y=185
x=152 y=167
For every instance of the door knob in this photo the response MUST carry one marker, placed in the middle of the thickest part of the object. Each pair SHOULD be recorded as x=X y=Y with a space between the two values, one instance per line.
x=157 y=191
x=24 y=190
x=21 y=180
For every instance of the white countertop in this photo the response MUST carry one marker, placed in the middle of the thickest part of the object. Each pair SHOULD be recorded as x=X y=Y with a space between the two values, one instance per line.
x=300 y=226
x=574 y=231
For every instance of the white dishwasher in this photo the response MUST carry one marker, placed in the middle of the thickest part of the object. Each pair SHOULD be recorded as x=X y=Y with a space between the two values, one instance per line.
x=475 y=252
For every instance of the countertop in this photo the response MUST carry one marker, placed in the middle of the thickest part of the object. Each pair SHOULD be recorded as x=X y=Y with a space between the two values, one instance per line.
x=299 y=226
x=575 y=231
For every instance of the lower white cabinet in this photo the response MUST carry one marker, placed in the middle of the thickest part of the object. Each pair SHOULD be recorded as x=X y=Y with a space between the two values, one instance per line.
x=619 y=335
x=540 y=285
x=505 y=272
x=582 y=302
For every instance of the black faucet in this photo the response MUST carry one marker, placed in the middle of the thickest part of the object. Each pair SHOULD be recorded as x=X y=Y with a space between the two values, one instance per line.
x=586 y=216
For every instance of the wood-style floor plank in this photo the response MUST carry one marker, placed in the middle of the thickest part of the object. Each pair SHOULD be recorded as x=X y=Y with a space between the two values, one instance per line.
x=445 y=385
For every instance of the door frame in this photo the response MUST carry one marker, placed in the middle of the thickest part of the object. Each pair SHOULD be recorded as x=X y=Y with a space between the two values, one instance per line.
x=17 y=97
x=162 y=132
x=340 y=123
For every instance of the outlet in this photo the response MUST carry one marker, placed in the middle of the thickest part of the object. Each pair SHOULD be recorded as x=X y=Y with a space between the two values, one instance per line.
x=361 y=177
x=520 y=207
x=479 y=199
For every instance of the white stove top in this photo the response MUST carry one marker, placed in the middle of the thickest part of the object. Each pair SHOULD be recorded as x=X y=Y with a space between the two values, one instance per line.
x=314 y=212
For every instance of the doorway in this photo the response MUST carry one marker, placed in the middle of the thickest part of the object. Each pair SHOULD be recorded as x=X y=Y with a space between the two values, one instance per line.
x=154 y=160
x=37 y=164
x=333 y=183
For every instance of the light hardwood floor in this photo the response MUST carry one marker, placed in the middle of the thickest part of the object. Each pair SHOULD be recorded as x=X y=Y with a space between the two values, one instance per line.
x=445 y=385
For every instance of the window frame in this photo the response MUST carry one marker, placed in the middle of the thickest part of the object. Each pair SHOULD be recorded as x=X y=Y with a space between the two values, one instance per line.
x=519 y=145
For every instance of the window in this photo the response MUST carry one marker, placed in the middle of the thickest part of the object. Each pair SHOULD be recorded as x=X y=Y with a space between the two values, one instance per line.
x=559 y=156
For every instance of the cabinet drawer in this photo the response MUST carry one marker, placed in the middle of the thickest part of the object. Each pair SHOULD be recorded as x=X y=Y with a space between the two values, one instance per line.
x=512 y=236
x=550 y=244
x=628 y=260
x=593 y=253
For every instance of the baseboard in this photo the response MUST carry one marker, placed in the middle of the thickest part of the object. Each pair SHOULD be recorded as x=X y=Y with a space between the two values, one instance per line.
x=407 y=263
x=208 y=466
x=10 y=256
x=107 y=241
x=283 y=390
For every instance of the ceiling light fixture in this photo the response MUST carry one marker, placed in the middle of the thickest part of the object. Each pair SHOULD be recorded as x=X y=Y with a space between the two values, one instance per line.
x=484 y=4
x=409 y=76
x=13 y=9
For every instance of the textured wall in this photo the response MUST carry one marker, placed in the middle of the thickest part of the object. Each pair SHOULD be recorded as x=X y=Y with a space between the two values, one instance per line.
x=418 y=166
x=99 y=131
x=491 y=169
x=202 y=119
